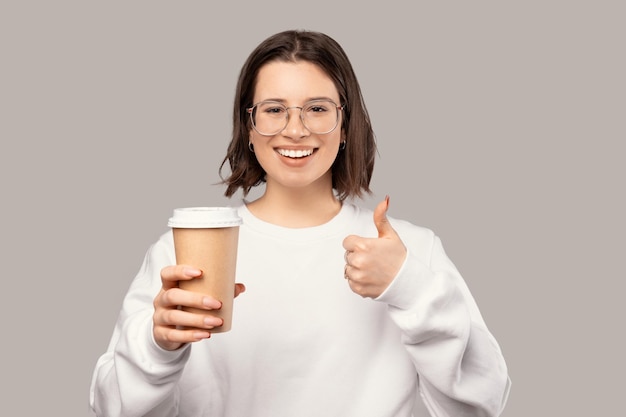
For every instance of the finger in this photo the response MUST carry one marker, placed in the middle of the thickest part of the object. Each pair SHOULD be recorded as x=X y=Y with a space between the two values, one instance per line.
x=352 y=242
x=170 y=275
x=180 y=318
x=171 y=338
x=380 y=219
x=174 y=297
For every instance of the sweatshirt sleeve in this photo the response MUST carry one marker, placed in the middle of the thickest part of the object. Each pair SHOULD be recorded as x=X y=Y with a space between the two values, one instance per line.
x=135 y=377
x=460 y=366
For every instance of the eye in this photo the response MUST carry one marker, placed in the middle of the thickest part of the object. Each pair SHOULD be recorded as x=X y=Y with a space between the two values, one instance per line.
x=272 y=108
x=317 y=107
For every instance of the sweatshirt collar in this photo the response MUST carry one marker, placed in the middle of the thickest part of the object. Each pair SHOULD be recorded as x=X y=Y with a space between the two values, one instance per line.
x=338 y=225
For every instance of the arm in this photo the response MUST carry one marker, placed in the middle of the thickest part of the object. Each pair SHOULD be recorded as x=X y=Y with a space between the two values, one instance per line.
x=136 y=377
x=461 y=368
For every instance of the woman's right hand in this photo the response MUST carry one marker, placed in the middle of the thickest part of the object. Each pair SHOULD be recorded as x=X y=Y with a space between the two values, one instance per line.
x=174 y=327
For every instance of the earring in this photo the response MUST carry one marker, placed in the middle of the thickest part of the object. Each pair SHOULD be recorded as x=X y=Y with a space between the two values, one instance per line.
x=251 y=146
x=342 y=145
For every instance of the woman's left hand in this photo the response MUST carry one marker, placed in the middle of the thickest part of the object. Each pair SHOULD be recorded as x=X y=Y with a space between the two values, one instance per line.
x=372 y=263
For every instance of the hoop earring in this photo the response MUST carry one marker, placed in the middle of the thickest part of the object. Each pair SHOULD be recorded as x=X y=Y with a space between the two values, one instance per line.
x=342 y=145
x=251 y=146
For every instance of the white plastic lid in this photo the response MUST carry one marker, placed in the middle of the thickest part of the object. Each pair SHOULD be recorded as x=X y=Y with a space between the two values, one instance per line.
x=204 y=217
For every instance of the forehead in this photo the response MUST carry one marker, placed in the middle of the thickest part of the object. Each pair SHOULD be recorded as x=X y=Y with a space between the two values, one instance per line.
x=293 y=82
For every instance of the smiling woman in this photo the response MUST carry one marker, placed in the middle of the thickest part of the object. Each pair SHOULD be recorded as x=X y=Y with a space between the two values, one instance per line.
x=325 y=63
x=305 y=341
x=294 y=157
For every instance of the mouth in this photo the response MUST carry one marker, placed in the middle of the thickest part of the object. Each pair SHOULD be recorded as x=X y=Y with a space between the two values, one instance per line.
x=295 y=153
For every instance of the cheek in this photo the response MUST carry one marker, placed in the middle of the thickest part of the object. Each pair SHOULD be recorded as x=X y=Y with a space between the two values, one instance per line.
x=337 y=139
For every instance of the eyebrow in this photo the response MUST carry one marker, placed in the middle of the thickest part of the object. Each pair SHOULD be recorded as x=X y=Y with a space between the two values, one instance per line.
x=283 y=101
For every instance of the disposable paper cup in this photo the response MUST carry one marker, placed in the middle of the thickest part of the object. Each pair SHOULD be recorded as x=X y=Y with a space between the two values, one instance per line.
x=207 y=238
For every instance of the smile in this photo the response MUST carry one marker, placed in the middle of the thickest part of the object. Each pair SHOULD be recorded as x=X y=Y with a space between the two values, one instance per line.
x=293 y=153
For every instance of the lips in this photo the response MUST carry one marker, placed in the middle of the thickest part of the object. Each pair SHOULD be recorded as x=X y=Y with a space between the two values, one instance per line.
x=295 y=153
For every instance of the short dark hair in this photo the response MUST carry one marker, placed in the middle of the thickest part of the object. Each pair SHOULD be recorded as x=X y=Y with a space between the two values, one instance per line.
x=352 y=170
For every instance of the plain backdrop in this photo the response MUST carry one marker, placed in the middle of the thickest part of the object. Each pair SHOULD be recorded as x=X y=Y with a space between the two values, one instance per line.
x=500 y=125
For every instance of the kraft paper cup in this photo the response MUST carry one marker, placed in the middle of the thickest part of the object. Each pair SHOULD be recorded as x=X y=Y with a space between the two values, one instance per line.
x=207 y=238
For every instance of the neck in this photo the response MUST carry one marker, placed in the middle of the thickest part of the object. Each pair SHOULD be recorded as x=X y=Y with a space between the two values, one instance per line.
x=296 y=208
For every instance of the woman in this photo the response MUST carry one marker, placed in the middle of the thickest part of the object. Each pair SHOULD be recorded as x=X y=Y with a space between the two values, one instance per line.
x=346 y=312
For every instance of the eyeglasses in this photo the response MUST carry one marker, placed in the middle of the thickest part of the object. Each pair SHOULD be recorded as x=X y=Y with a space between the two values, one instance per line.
x=318 y=116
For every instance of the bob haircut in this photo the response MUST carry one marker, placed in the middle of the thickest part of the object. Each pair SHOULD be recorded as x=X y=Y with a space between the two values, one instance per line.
x=353 y=167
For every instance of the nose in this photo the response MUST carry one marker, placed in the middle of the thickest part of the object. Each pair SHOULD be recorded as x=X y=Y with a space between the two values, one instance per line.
x=295 y=127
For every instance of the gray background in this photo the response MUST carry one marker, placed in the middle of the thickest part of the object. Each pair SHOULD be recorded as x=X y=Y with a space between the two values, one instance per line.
x=500 y=126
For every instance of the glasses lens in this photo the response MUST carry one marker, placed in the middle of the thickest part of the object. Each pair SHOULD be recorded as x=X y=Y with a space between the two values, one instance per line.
x=269 y=117
x=318 y=116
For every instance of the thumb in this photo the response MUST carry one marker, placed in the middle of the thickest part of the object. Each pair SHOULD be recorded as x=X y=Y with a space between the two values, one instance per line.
x=380 y=219
x=239 y=288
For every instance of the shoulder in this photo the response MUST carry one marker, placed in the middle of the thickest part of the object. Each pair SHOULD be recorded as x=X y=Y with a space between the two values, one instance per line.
x=161 y=252
x=409 y=232
x=422 y=242
x=165 y=242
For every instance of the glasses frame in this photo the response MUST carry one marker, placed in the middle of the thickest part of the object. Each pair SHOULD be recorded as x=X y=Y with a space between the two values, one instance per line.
x=338 y=108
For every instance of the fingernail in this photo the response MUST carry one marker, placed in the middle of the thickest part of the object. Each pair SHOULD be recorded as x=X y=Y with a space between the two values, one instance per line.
x=201 y=335
x=387 y=200
x=192 y=272
x=211 y=303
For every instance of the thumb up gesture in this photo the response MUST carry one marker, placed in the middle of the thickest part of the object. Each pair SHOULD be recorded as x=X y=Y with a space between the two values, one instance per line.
x=372 y=263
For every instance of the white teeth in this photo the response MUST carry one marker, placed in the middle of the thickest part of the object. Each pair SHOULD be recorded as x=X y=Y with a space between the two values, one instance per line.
x=291 y=153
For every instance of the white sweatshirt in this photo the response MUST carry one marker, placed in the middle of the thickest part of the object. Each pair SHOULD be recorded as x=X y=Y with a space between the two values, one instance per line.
x=303 y=344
